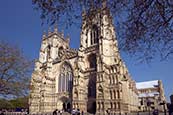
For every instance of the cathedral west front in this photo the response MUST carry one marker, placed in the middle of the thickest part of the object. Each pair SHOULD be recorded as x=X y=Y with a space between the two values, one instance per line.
x=93 y=78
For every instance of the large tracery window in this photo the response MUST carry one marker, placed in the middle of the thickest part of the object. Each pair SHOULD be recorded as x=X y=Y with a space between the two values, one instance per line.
x=65 y=78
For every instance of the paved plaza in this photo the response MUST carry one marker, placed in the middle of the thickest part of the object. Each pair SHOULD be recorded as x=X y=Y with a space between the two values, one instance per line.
x=140 y=113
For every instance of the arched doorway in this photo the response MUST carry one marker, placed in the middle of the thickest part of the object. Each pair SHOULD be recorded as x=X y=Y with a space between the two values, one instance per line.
x=66 y=104
x=91 y=104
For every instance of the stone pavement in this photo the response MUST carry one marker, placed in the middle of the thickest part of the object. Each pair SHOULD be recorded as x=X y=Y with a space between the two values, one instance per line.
x=23 y=113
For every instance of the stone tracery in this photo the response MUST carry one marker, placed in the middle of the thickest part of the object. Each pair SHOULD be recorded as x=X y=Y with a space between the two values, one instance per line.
x=65 y=78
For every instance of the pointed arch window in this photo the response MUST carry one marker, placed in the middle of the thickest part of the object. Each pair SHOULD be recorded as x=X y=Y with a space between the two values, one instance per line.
x=94 y=35
x=48 y=52
x=92 y=61
x=65 y=79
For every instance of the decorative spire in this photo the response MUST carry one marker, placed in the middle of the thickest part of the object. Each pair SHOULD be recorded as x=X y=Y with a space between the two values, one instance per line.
x=49 y=31
x=55 y=27
x=83 y=11
x=44 y=35
x=68 y=38
x=104 y=3
x=62 y=33
x=91 y=5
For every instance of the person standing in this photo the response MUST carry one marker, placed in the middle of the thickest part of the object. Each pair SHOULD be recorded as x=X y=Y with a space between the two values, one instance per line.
x=55 y=112
x=61 y=112
x=78 y=111
x=82 y=113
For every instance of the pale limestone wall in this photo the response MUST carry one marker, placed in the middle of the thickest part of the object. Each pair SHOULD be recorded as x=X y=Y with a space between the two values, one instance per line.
x=115 y=90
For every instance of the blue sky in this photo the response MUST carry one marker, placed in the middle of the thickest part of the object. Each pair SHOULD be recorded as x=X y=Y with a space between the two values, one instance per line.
x=21 y=25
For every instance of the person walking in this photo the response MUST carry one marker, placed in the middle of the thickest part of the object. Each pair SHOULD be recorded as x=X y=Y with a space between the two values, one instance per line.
x=78 y=111
x=55 y=112
x=82 y=113
x=156 y=112
x=61 y=112
x=108 y=112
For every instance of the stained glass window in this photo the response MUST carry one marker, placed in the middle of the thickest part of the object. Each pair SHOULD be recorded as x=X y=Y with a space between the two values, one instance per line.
x=65 y=78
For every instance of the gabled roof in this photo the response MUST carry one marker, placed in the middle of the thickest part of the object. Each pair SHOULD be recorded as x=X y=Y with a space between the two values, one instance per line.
x=147 y=84
x=151 y=94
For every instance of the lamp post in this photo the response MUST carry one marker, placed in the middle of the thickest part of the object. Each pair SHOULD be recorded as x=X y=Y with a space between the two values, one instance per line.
x=164 y=104
x=148 y=104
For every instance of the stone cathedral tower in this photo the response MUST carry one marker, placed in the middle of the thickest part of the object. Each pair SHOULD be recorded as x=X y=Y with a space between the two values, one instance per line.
x=93 y=79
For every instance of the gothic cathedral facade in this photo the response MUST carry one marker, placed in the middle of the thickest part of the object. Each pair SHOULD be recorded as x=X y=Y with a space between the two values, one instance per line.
x=93 y=78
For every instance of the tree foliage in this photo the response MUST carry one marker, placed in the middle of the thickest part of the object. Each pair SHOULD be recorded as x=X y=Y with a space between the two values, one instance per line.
x=4 y=104
x=14 y=103
x=20 y=102
x=14 y=71
x=146 y=27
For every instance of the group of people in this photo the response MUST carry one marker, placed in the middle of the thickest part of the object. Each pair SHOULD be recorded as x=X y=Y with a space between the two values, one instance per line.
x=76 y=112
x=56 y=112
x=73 y=112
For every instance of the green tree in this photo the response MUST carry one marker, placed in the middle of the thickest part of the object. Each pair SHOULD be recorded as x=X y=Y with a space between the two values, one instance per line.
x=145 y=26
x=15 y=71
x=20 y=102
x=5 y=104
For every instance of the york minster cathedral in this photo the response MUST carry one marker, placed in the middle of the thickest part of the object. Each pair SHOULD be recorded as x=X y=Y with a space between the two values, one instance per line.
x=92 y=78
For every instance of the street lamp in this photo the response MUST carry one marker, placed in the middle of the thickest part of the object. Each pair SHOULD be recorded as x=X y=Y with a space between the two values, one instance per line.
x=148 y=104
x=164 y=104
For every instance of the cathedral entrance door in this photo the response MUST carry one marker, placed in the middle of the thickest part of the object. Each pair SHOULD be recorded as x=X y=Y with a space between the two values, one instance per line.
x=66 y=107
x=66 y=104
x=91 y=106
